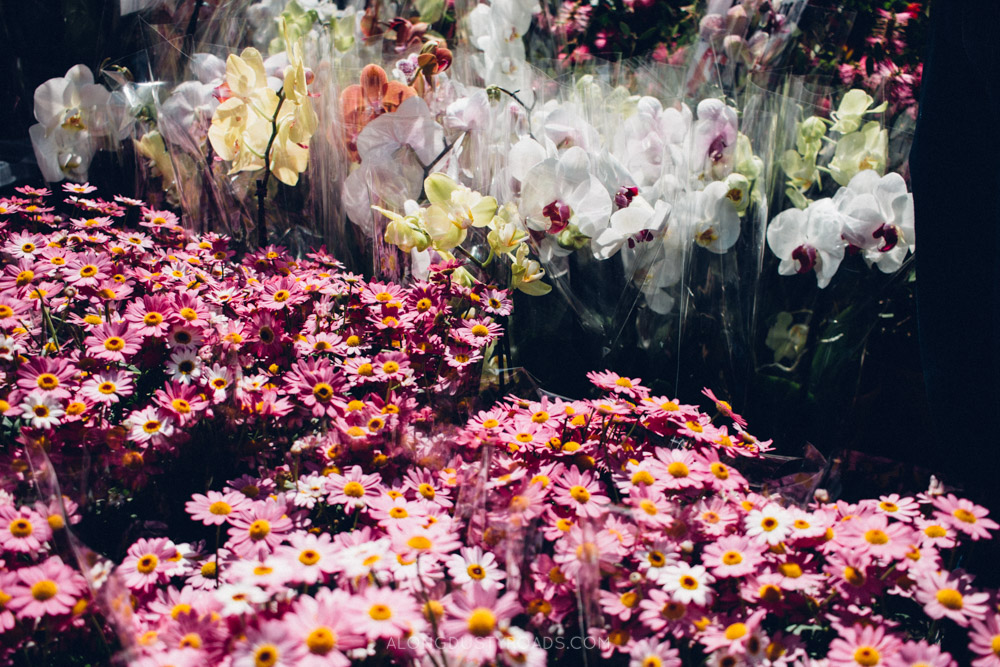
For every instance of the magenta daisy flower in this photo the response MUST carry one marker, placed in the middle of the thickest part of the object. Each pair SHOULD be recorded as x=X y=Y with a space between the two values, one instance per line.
x=107 y=387
x=945 y=594
x=387 y=613
x=112 y=342
x=984 y=641
x=325 y=627
x=353 y=489
x=610 y=381
x=868 y=646
x=921 y=654
x=311 y=557
x=477 y=332
x=581 y=492
x=733 y=556
x=481 y=616
x=964 y=516
x=22 y=530
x=49 y=589
x=684 y=469
x=214 y=508
x=147 y=563
x=269 y=645
x=258 y=529
x=878 y=536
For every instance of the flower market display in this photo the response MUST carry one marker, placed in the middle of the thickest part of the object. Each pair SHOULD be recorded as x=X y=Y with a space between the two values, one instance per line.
x=280 y=313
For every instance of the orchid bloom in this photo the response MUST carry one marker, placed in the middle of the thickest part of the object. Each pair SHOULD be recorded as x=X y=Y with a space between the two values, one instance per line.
x=561 y=191
x=243 y=124
x=878 y=218
x=454 y=208
x=808 y=240
x=866 y=149
x=711 y=217
x=853 y=107
x=68 y=111
x=714 y=140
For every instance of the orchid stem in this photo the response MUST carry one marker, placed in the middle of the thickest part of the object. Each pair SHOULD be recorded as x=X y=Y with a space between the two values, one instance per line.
x=262 y=182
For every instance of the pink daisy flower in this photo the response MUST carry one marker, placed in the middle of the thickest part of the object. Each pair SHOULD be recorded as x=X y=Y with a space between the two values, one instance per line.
x=921 y=654
x=387 y=613
x=147 y=563
x=945 y=594
x=477 y=332
x=868 y=646
x=474 y=567
x=22 y=530
x=352 y=489
x=214 y=508
x=107 y=387
x=684 y=469
x=733 y=556
x=325 y=627
x=964 y=516
x=724 y=407
x=49 y=589
x=903 y=509
x=258 y=529
x=653 y=653
x=269 y=645
x=411 y=539
x=112 y=342
x=581 y=492
x=878 y=536
x=312 y=557
x=630 y=388
x=984 y=641
x=479 y=615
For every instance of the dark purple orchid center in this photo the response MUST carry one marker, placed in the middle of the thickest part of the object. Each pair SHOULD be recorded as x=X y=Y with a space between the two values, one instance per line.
x=559 y=214
x=806 y=256
x=717 y=148
x=889 y=234
x=644 y=236
x=625 y=195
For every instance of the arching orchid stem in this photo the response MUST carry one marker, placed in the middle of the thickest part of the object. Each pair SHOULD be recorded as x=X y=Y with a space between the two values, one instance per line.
x=262 y=182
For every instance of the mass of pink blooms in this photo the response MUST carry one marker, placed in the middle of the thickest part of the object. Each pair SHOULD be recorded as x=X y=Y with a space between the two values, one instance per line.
x=374 y=511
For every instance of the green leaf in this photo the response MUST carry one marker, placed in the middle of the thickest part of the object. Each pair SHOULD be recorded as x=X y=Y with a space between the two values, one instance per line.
x=430 y=10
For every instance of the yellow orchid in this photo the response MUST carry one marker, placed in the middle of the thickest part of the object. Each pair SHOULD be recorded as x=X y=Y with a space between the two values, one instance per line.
x=454 y=208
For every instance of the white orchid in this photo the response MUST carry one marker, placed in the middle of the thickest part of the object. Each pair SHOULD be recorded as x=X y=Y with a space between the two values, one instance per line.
x=714 y=140
x=561 y=191
x=71 y=115
x=637 y=217
x=710 y=217
x=808 y=240
x=878 y=218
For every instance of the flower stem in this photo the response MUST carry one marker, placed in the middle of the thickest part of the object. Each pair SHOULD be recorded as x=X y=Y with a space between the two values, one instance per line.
x=262 y=182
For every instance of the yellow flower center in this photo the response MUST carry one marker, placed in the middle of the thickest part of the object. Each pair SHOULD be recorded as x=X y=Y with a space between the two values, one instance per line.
x=889 y=507
x=151 y=426
x=44 y=590
x=949 y=598
x=190 y=640
x=114 y=344
x=643 y=478
x=20 y=528
x=735 y=631
x=790 y=570
x=876 y=536
x=220 y=508
x=935 y=531
x=152 y=319
x=321 y=641
x=580 y=494
x=260 y=529
x=624 y=382
x=688 y=582
x=24 y=277
x=769 y=523
x=419 y=542
x=427 y=491
x=678 y=469
x=867 y=656
x=323 y=391
x=482 y=622
x=380 y=612
x=476 y=571
x=366 y=370
x=88 y=271
x=732 y=558
x=354 y=490
x=629 y=599
x=964 y=515
x=47 y=381
x=309 y=557
x=147 y=563
x=181 y=406
x=281 y=295
x=266 y=656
